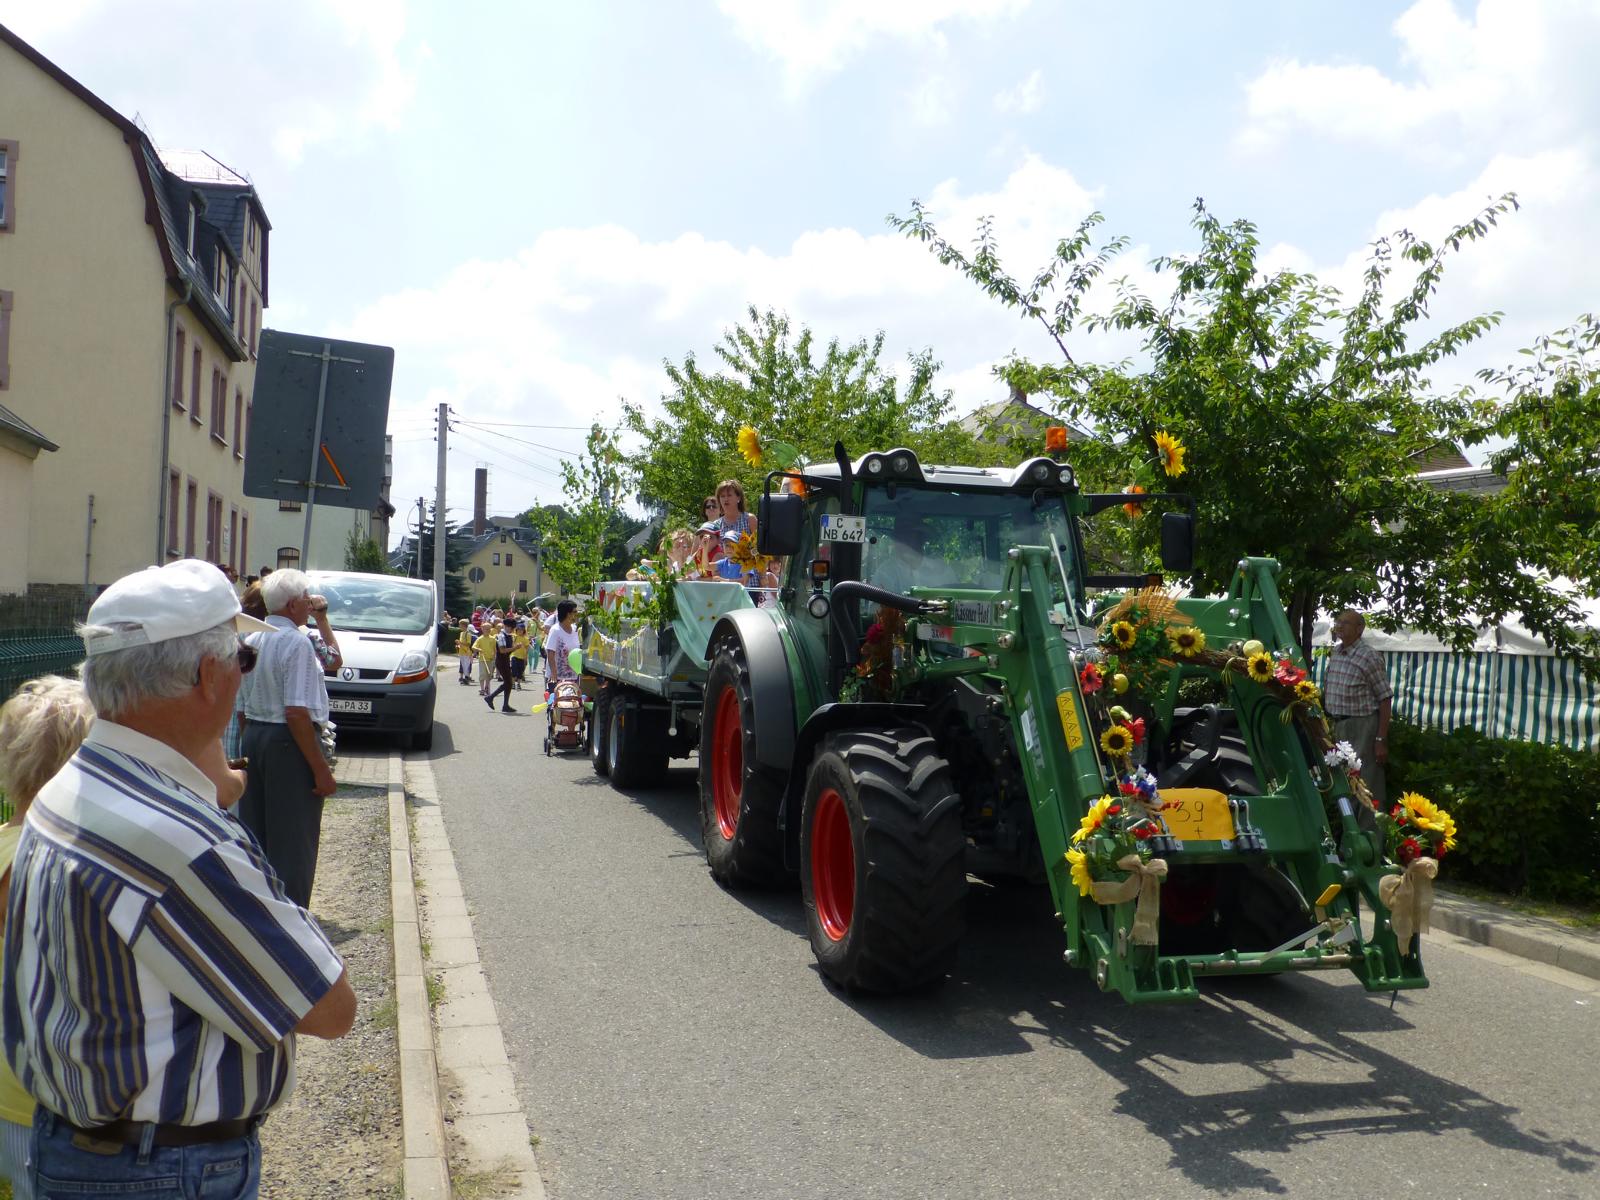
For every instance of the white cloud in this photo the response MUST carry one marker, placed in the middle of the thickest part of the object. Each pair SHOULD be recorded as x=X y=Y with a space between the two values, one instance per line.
x=1517 y=68
x=817 y=37
x=1026 y=97
x=290 y=75
x=932 y=102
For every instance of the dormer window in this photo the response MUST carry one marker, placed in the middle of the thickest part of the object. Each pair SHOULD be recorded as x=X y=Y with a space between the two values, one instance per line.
x=194 y=223
x=224 y=280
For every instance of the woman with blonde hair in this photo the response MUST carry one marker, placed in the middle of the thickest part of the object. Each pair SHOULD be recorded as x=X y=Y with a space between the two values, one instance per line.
x=41 y=727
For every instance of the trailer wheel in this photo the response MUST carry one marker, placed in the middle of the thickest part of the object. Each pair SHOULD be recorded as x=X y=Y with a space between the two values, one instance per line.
x=598 y=732
x=739 y=803
x=636 y=751
x=883 y=859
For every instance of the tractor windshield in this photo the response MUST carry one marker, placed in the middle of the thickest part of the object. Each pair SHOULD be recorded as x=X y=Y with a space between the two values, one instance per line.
x=927 y=537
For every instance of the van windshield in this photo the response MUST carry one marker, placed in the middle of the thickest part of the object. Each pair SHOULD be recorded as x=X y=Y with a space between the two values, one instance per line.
x=372 y=605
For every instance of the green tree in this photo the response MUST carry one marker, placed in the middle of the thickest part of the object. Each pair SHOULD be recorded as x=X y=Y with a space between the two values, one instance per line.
x=1304 y=417
x=789 y=388
x=457 y=538
x=582 y=540
x=362 y=553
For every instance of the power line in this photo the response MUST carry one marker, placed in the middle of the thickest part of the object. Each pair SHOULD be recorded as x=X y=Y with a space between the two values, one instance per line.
x=507 y=454
x=517 y=425
x=523 y=441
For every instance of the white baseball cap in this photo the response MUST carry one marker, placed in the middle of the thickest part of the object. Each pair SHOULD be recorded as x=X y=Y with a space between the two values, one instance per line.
x=161 y=603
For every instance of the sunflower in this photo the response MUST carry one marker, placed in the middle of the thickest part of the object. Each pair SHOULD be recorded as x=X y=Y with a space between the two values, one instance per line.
x=750 y=445
x=1092 y=819
x=1425 y=814
x=1124 y=634
x=1117 y=741
x=742 y=550
x=1261 y=666
x=1171 y=451
x=1079 y=862
x=1307 y=691
x=1131 y=508
x=1186 y=640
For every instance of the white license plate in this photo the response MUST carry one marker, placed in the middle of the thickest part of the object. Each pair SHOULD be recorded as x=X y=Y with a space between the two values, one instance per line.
x=355 y=706
x=844 y=529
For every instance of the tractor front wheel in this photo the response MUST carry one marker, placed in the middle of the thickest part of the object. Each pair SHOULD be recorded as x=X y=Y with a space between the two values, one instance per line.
x=883 y=861
x=739 y=802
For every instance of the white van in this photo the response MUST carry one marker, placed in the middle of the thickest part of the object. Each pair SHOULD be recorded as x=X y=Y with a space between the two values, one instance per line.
x=387 y=629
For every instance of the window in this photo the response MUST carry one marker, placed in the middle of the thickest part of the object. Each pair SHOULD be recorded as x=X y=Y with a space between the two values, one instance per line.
x=8 y=184
x=522 y=587
x=219 y=404
x=233 y=540
x=288 y=556
x=193 y=498
x=177 y=369
x=244 y=430
x=244 y=543
x=174 y=490
x=496 y=558
x=194 y=387
x=238 y=423
x=238 y=311
x=508 y=558
x=213 y=528
x=224 y=280
x=255 y=315
x=194 y=221
x=294 y=506
x=5 y=340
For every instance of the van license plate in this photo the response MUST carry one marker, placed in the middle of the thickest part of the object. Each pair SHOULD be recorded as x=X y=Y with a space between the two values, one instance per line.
x=350 y=706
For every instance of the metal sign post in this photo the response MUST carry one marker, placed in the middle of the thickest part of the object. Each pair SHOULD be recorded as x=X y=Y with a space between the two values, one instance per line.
x=317 y=448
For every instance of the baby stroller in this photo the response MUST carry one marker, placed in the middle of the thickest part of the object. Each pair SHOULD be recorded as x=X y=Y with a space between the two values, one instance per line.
x=569 y=718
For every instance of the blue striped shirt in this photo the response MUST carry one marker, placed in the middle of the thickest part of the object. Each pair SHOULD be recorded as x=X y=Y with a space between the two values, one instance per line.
x=154 y=969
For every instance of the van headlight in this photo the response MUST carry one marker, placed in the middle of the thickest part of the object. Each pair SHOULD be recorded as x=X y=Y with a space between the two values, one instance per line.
x=411 y=663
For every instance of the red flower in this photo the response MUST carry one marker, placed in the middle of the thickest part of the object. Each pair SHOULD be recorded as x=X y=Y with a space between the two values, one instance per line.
x=1136 y=727
x=1143 y=831
x=1396 y=812
x=1113 y=810
x=1287 y=673
x=1127 y=789
x=1091 y=679
x=1409 y=849
x=874 y=633
x=1438 y=851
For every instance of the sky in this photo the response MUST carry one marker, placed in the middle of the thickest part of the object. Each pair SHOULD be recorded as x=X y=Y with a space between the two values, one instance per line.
x=537 y=204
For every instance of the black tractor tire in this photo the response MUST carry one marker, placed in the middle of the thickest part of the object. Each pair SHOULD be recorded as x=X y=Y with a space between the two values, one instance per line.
x=636 y=742
x=883 y=861
x=598 y=721
x=739 y=802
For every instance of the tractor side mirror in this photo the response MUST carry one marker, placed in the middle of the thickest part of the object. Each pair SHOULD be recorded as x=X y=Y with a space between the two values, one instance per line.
x=1177 y=542
x=782 y=524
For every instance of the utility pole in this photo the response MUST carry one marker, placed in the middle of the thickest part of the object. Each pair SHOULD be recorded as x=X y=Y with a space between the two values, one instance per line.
x=439 y=506
x=422 y=524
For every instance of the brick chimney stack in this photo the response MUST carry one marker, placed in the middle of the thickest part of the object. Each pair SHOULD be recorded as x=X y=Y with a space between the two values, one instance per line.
x=480 y=501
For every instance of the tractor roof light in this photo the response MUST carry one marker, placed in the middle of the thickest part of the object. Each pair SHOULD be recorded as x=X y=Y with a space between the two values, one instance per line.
x=901 y=464
x=874 y=466
x=1055 y=439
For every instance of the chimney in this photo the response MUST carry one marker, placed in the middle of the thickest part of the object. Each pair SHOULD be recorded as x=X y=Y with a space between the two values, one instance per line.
x=480 y=501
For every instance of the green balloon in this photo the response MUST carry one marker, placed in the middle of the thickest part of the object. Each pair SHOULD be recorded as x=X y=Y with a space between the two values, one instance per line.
x=575 y=660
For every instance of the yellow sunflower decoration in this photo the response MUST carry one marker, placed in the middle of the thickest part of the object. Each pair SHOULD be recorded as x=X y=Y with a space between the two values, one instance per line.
x=1307 y=691
x=742 y=550
x=1186 y=640
x=750 y=445
x=1079 y=862
x=1428 y=815
x=1171 y=451
x=1117 y=741
x=1093 y=818
x=1125 y=634
x=1261 y=667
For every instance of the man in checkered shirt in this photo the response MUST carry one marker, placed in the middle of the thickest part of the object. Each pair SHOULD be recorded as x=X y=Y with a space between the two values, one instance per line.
x=1356 y=696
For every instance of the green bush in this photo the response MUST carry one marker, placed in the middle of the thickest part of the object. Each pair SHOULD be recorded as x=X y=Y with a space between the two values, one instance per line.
x=1527 y=814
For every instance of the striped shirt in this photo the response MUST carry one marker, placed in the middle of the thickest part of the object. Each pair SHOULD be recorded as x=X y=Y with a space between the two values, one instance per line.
x=154 y=969
x=288 y=674
x=1356 y=682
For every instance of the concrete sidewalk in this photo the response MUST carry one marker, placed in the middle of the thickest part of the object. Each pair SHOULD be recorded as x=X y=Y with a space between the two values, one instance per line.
x=1536 y=938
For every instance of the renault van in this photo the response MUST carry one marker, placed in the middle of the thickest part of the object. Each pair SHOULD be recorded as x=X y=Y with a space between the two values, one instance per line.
x=387 y=630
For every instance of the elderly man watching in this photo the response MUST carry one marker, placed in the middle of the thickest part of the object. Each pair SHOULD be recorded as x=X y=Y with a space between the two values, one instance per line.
x=1357 y=697
x=155 y=972
x=283 y=703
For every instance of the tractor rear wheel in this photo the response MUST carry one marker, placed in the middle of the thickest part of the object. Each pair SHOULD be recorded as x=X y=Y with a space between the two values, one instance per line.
x=636 y=742
x=739 y=802
x=883 y=861
x=598 y=731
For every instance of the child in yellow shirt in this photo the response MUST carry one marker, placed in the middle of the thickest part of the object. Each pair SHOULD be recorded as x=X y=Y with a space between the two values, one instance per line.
x=484 y=648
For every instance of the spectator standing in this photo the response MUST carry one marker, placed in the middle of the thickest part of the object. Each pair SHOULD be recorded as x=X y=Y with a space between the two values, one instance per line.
x=1357 y=697
x=285 y=701
x=40 y=729
x=148 y=923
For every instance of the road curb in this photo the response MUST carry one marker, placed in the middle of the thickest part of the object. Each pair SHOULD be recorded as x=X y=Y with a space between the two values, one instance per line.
x=426 y=1174
x=465 y=1049
x=1533 y=938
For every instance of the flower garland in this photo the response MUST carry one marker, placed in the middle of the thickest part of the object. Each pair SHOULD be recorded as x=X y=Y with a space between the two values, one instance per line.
x=1114 y=836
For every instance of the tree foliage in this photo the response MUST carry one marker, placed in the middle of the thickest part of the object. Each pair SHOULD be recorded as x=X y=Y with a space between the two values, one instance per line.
x=582 y=539
x=457 y=597
x=1305 y=416
x=362 y=553
x=789 y=387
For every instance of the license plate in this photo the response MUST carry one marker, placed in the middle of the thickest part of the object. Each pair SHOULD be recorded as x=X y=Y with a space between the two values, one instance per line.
x=350 y=706
x=851 y=530
x=1198 y=814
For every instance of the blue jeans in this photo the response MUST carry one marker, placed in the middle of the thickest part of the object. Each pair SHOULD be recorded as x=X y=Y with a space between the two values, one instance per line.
x=66 y=1164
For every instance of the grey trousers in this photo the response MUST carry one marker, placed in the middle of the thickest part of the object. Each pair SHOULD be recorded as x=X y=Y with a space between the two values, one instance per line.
x=1360 y=732
x=281 y=808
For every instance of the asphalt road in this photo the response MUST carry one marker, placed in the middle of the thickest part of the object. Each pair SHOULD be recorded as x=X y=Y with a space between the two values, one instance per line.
x=672 y=1039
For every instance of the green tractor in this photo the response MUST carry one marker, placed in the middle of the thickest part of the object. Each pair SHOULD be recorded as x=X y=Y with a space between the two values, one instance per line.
x=930 y=698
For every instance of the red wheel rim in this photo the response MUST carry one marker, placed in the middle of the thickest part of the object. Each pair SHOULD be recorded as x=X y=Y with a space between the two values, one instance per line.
x=833 y=866
x=727 y=763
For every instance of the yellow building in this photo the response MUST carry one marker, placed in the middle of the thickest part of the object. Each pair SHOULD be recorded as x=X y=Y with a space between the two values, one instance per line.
x=132 y=286
x=507 y=554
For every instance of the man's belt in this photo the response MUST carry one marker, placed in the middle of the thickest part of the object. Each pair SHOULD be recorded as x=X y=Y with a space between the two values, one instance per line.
x=1348 y=716
x=131 y=1133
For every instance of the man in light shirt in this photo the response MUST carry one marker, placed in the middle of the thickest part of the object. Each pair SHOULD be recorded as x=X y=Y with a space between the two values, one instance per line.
x=155 y=972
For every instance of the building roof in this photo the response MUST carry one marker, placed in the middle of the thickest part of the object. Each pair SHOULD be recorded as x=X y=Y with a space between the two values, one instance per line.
x=166 y=193
x=17 y=427
x=1013 y=417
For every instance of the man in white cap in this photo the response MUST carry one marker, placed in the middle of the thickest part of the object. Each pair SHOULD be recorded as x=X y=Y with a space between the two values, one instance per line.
x=155 y=972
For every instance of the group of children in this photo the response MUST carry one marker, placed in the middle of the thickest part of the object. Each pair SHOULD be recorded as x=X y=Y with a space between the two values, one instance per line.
x=705 y=552
x=498 y=645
